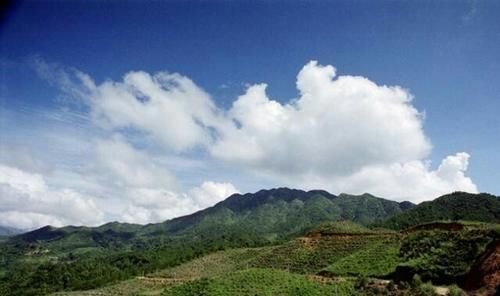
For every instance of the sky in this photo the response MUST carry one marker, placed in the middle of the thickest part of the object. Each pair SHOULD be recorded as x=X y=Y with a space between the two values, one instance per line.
x=141 y=111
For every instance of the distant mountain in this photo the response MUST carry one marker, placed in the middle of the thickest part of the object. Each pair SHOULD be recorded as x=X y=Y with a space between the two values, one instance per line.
x=282 y=212
x=455 y=206
x=244 y=219
x=7 y=231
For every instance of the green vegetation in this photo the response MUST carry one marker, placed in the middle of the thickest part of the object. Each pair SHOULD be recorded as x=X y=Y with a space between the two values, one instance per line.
x=216 y=264
x=263 y=218
x=89 y=273
x=260 y=282
x=254 y=241
x=451 y=207
x=311 y=255
x=339 y=227
x=377 y=260
x=443 y=256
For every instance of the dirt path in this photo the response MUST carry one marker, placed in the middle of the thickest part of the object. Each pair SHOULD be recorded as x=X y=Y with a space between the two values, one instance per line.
x=162 y=280
x=442 y=291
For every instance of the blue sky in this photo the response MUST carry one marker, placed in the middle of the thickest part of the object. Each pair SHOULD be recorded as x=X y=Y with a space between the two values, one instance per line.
x=445 y=53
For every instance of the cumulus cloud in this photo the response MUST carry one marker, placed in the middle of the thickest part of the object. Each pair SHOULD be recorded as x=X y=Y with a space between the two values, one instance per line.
x=342 y=133
x=336 y=126
x=412 y=180
x=345 y=134
x=26 y=201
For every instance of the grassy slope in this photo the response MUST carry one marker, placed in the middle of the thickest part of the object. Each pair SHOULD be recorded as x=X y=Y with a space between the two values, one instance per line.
x=251 y=271
x=215 y=264
x=260 y=282
x=377 y=260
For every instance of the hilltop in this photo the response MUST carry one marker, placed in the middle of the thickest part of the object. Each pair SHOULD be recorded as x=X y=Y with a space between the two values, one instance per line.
x=456 y=206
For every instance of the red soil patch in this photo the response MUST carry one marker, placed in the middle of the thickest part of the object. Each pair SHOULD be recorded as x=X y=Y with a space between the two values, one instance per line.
x=486 y=271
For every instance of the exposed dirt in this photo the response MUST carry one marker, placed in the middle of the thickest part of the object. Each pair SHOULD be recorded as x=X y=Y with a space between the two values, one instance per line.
x=451 y=226
x=442 y=291
x=321 y=279
x=312 y=240
x=486 y=271
x=309 y=243
x=161 y=279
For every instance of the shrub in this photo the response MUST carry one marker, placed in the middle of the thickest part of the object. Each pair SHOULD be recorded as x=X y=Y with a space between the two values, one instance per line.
x=417 y=281
x=425 y=290
x=454 y=290
x=361 y=282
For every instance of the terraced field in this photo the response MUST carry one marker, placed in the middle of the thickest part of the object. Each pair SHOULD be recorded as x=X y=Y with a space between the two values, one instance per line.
x=309 y=255
x=264 y=282
x=131 y=287
x=212 y=265
x=378 y=260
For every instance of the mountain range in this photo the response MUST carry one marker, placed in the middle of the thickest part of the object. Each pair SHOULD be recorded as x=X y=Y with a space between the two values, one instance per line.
x=261 y=217
x=117 y=251
x=7 y=230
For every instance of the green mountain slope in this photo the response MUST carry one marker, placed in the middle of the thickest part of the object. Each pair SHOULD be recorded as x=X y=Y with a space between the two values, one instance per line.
x=336 y=255
x=77 y=258
x=455 y=206
x=246 y=220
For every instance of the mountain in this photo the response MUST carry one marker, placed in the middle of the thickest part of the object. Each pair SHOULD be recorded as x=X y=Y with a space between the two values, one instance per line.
x=7 y=231
x=268 y=214
x=282 y=212
x=312 y=233
x=481 y=207
x=252 y=219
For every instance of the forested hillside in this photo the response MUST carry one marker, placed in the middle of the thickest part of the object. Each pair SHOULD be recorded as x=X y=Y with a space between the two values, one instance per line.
x=452 y=207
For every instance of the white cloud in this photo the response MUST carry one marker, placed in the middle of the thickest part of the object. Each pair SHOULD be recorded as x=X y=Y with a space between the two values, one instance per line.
x=210 y=193
x=128 y=166
x=335 y=127
x=168 y=107
x=155 y=205
x=148 y=192
x=343 y=134
x=28 y=220
x=412 y=180
x=26 y=201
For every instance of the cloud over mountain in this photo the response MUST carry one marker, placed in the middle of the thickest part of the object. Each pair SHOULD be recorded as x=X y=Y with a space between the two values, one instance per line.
x=26 y=201
x=341 y=133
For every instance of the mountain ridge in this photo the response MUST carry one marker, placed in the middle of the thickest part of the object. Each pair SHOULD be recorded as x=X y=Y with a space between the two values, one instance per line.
x=480 y=207
x=302 y=230
x=8 y=231
x=273 y=214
